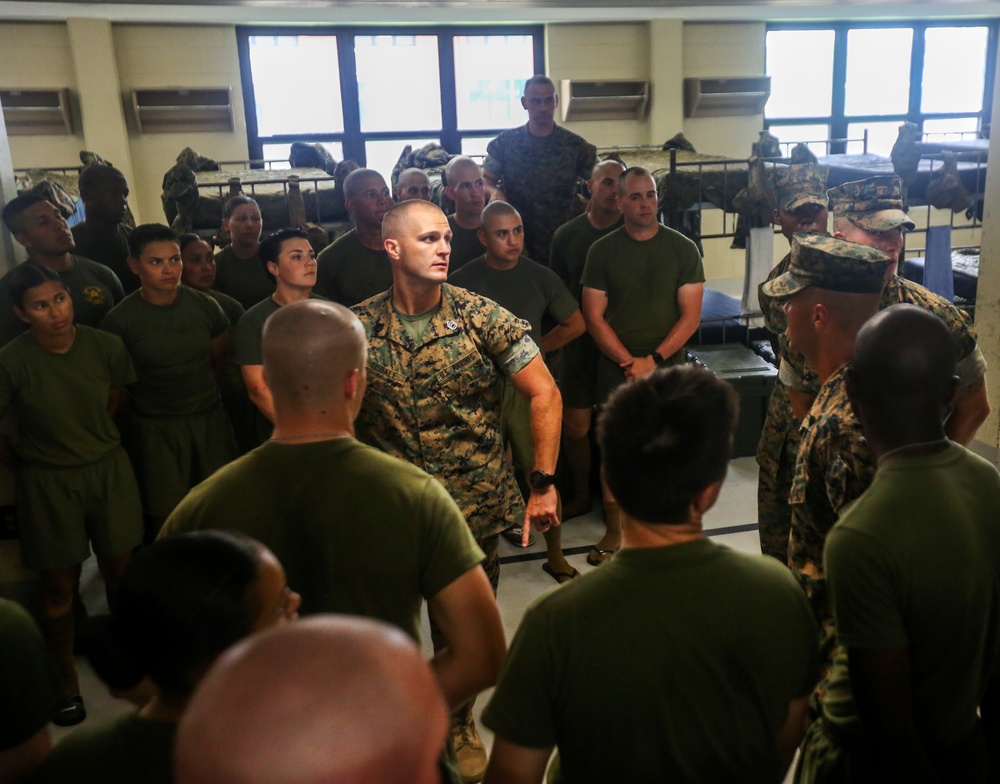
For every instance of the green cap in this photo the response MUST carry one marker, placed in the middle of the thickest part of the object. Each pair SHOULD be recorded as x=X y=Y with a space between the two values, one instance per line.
x=830 y=263
x=797 y=185
x=875 y=204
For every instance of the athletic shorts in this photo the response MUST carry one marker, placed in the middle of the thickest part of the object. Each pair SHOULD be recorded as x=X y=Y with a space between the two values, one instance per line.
x=578 y=373
x=62 y=511
x=515 y=419
x=173 y=454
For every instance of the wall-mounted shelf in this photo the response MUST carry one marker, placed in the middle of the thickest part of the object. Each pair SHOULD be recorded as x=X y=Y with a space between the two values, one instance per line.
x=182 y=110
x=37 y=112
x=726 y=96
x=611 y=100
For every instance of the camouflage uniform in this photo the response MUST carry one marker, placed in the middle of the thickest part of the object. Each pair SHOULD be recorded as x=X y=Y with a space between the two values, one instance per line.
x=834 y=465
x=538 y=175
x=793 y=187
x=437 y=404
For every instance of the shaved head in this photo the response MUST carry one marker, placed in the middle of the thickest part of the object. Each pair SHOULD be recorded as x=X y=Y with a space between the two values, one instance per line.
x=611 y=166
x=413 y=184
x=495 y=210
x=397 y=220
x=456 y=163
x=326 y=700
x=358 y=180
x=902 y=373
x=310 y=348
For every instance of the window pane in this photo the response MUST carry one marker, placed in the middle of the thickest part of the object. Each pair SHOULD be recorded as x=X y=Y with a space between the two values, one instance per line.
x=279 y=152
x=290 y=97
x=399 y=84
x=878 y=71
x=881 y=136
x=793 y=134
x=475 y=146
x=797 y=89
x=382 y=155
x=952 y=128
x=954 y=69
x=487 y=93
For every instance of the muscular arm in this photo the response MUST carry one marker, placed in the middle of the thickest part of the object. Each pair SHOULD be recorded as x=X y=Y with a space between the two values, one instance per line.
x=514 y=764
x=791 y=733
x=260 y=395
x=971 y=407
x=535 y=382
x=117 y=398
x=492 y=182
x=595 y=304
x=564 y=332
x=882 y=686
x=469 y=619
x=218 y=350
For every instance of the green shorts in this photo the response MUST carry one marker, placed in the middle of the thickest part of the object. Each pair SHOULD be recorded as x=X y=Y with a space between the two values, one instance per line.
x=578 y=373
x=173 y=454
x=515 y=418
x=62 y=511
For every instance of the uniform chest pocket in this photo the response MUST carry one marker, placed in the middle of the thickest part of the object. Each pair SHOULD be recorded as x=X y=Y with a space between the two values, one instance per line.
x=468 y=376
x=385 y=382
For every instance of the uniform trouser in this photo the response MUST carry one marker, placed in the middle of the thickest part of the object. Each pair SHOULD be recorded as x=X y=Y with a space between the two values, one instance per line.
x=776 y=454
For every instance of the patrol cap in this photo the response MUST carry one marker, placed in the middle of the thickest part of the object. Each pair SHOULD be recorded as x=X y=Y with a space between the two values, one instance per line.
x=799 y=184
x=875 y=204
x=830 y=263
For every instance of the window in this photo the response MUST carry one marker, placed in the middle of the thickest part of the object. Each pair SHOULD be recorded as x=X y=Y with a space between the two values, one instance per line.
x=843 y=81
x=365 y=93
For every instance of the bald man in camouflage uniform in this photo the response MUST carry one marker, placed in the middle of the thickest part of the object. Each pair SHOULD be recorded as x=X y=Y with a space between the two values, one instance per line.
x=800 y=205
x=870 y=212
x=536 y=167
x=830 y=289
x=437 y=357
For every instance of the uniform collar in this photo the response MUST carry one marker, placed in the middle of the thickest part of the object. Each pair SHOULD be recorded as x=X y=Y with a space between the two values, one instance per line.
x=447 y=321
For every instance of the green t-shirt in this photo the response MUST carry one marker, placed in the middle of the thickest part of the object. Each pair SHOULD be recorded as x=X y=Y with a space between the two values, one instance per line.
x=350 y=273
x=125 y=750
x=529 y=291
x=357 y=531
x=246 y=348
x=169 y=346
x=232 y=381
x=641 y=279
x=93 y=288
x=570 y=245
x=242 y=279
x=30 y=691
x=914 y=564
x=465 y=245
x=112 y=252
x=61 y=400
x=666 y=664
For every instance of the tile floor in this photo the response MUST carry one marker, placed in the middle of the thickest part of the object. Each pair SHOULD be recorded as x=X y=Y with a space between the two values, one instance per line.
x=732 y=521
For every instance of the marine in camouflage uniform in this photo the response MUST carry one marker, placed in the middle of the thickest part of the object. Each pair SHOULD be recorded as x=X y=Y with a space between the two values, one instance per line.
x=834 y=465
x=537 y=167
x=436 y=403
x=800 y=202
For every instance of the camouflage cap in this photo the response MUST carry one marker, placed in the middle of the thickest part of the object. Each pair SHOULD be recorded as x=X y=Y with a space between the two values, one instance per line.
x=830 y=263
x=799 y=184
x=875 y=204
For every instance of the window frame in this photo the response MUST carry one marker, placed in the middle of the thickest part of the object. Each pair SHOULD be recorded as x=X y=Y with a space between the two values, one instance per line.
x=352 y=137
x=838 y=121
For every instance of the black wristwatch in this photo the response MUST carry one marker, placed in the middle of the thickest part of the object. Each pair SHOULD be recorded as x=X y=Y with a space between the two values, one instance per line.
x=539 y=480
x=658 y=358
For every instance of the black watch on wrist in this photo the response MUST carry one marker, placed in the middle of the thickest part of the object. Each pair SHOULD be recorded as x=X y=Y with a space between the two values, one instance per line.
x=539 y=480
x=658 y=358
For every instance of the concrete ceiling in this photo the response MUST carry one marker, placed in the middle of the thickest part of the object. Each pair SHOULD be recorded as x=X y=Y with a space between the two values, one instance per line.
x=397 y=12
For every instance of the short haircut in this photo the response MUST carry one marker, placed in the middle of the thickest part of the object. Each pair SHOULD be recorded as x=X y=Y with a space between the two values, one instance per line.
x=270 y=248
x=454 y=163
x=142 y=235
x=664 y=439
x=94 y=174
x=235 y=202
x=182 y=601
x=352 y=183
x=26 y=276
x=13 y=209
x=392 y=223
x=636 y=170
x=494 y=210
x=538 y=79
x=604 y=162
